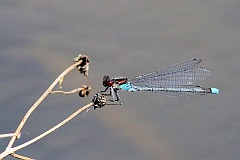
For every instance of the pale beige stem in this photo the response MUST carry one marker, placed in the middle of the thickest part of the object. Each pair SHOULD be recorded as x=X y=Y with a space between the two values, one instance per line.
x=9 y=135
x=67 y=92
x=52 y=129
x=21 y=157
x=45 y=94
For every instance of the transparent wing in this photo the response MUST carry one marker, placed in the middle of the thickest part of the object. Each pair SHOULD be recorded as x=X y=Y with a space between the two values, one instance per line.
x=184 y=73
x=178 y=79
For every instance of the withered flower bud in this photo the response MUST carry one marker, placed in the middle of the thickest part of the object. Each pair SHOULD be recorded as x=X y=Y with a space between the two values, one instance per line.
x=83 y=67
x=84 y=92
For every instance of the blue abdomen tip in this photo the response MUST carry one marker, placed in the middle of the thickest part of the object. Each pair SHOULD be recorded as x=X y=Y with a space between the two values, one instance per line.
x=215 y=91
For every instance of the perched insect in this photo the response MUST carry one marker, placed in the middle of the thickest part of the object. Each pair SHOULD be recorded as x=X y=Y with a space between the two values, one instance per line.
x=176 y=80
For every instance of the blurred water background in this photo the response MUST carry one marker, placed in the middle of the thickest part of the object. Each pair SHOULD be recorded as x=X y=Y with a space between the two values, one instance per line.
x=39 y=39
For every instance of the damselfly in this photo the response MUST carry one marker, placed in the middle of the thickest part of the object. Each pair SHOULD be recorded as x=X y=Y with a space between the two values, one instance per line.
x=176 y=80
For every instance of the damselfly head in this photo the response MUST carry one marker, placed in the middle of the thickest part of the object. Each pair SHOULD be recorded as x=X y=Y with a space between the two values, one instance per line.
x=107 y=82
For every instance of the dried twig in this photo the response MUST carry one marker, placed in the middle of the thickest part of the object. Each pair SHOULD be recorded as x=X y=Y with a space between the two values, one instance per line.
x=12 y=151
x=10 y=135
x=54 y=128
x=66 y=92
x=35 y=105
x=20 y=157
x=82 y=64
x=84 y=90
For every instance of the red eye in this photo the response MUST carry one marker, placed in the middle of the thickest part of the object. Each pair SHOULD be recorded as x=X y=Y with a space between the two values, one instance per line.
x=110 y=83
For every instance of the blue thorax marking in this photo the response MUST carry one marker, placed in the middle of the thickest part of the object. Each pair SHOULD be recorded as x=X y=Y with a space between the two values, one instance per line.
x=127 y=87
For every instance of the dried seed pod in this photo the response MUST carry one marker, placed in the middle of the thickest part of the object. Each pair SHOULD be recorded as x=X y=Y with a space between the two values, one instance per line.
x=83 y=67
x=99 y=100
x=84 y=92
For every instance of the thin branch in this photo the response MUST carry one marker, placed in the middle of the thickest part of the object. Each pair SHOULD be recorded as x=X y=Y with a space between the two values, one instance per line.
x=20 y=157
x=67 y=92
x=82 y=92
x=9 y=135
x=35 y=105
x=82 y=64
x=54 y=128
x=11 y=151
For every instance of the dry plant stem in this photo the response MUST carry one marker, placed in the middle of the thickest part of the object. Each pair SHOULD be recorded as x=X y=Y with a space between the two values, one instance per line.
x=45 y=94
x=53 y=129
x=66 y=93
x=21 y=157
x=8 y=135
